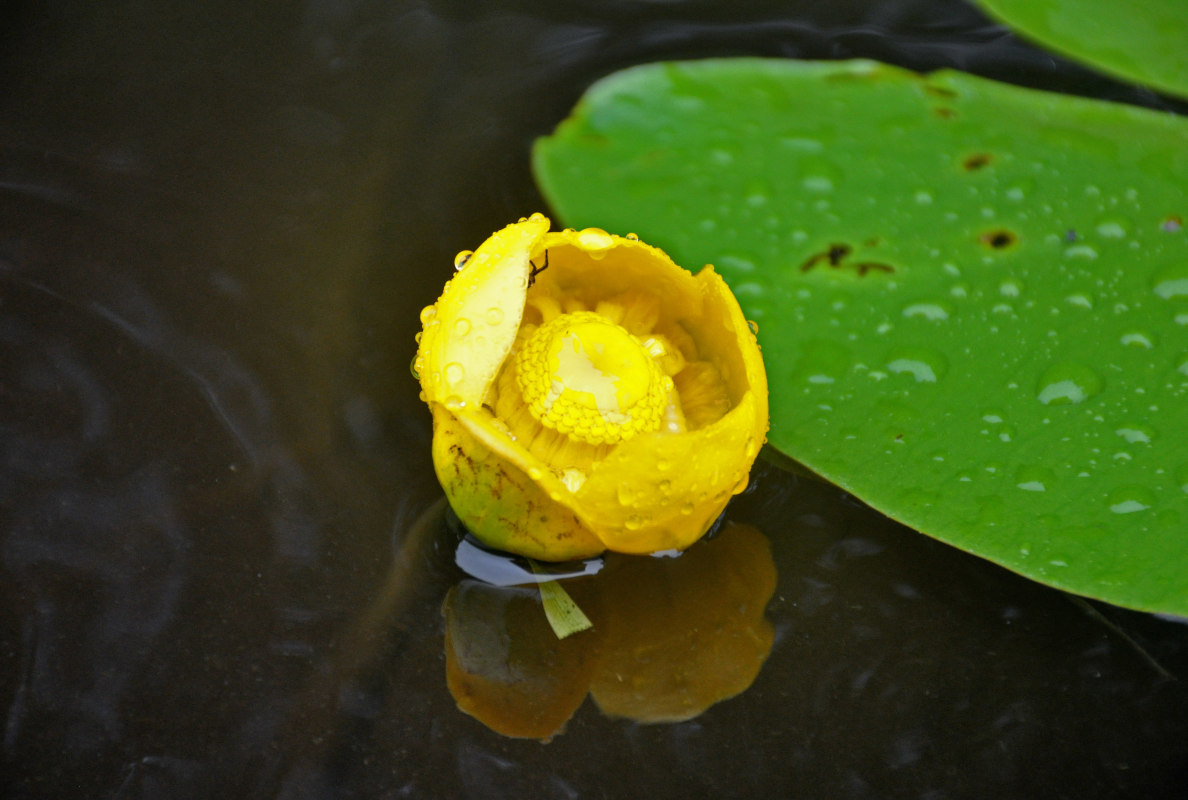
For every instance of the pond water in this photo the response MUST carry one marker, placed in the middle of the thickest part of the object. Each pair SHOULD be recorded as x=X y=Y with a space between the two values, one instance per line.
x=220 y=569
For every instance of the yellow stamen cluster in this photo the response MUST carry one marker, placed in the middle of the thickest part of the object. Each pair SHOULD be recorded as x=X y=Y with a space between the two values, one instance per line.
x=582 y=375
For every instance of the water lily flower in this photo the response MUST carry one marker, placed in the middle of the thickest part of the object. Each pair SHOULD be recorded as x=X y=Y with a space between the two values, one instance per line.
x=588 y=394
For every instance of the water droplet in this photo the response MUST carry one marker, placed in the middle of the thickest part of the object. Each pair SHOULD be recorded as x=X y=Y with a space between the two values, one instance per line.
x=1182 y=477
x=537 y=217
x=665 y=486
x=663 y=464
x=454 y=402
x=1130 y=499
x=628 y=494
x=1171 y=283
x=461 y=259
x=1081 y=251
x=535 y=473
x=1079 y=300
x=428 y=313
x=750 y=448
x=924 y=197
x=1034 y=479
x=633 y=237
x=1010 y=288
x=1136 y=434
x=415 y=367
x=754 y=326
x=454 y=373
x=494 y=315
x=932 y=311
x=822 y=361
x=634 y=522
x=1182 y=368
x=1113 y=228
x=461 y=327
x=818 y=175
x=1068 y=383
x=1137 y=339
x=595 y=241
x=687 y=509
x=924 y=364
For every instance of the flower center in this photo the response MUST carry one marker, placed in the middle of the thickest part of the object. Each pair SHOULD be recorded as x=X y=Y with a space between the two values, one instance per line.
x=586 y=377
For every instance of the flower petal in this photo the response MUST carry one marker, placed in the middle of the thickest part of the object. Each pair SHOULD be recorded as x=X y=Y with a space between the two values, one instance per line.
x=470 y=330
x=663 y=491
x=495 y=496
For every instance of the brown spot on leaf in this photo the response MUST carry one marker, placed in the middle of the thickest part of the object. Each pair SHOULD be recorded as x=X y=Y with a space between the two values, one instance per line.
x=999 y=238
x=836 y=257
x=976 y=161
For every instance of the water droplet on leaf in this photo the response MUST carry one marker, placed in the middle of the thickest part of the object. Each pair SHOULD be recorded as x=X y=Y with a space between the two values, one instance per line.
x=1068 y=383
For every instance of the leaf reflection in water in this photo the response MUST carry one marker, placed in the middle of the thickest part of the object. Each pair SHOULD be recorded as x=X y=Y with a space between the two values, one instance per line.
x=671 y=637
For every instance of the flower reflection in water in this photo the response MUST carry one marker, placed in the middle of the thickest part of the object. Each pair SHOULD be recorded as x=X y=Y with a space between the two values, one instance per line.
x=671 y=637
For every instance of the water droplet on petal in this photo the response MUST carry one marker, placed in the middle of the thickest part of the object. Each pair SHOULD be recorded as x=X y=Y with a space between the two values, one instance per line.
x=494 y=315
x=535 y=474
x=461 y=327
x=1068 y=383
x=461 y=259
x=687 y=509
x=428 y=313
x=627 y=494
x=634 y=522
x=595 y=241
x=454 y=373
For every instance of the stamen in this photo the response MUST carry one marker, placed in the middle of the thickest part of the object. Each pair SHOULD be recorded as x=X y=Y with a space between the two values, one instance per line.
x=588 y=378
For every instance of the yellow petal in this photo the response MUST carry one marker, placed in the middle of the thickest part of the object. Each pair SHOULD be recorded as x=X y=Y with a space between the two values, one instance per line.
x=496 y=498
x=663 y=491
x=469 y=331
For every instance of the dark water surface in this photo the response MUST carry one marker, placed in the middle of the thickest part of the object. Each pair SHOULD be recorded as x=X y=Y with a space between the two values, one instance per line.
x=218 y=223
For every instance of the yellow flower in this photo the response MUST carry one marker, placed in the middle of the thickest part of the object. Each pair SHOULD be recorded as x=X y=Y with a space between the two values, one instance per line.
x=588 y=394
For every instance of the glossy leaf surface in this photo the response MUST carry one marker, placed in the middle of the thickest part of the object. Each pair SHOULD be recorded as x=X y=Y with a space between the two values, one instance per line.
x=972 y=298
x=1142 y=41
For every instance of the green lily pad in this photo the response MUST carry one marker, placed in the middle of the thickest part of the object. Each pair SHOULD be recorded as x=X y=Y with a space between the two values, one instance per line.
x=1142 y=41
x=972 y=298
